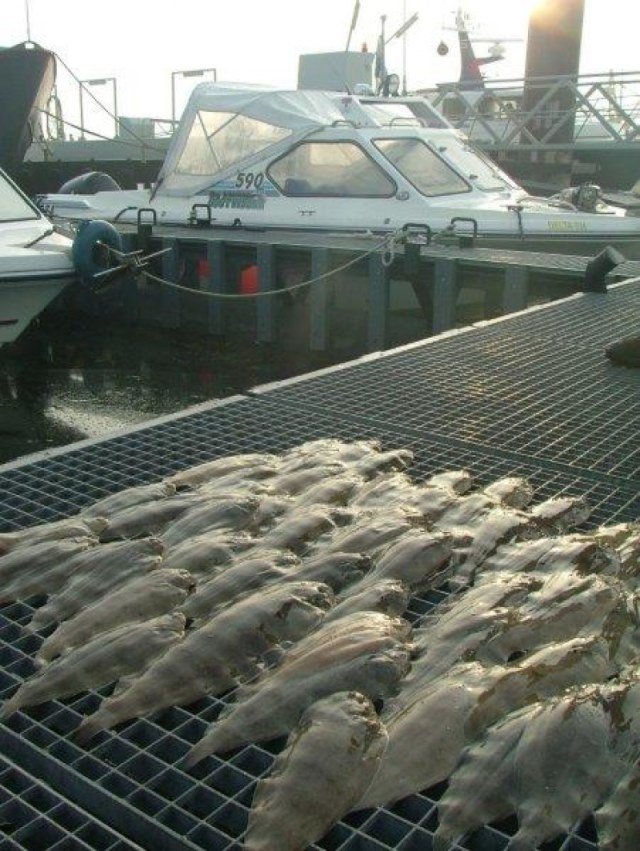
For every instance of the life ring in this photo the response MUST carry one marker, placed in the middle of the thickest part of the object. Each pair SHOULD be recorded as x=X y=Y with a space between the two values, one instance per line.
x=90 y=251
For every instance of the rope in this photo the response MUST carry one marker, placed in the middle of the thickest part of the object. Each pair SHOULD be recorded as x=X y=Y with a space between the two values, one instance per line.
x=100 y=104
x=100 y=136
x=386 y=245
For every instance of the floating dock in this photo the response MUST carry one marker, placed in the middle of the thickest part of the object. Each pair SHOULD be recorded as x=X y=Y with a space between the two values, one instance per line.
x=531 y=394
x=379 y=298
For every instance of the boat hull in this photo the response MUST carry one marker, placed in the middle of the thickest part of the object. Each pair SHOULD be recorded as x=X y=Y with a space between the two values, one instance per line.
x=23 y=298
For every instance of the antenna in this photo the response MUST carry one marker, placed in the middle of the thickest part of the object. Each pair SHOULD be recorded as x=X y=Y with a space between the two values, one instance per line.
x=26 y=4
x=354 y=21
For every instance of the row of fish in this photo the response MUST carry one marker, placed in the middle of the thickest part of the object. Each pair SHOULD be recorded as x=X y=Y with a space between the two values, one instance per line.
x=282 y=580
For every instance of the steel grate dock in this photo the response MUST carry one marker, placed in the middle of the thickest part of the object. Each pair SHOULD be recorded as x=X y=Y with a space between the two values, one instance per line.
x=530 y=395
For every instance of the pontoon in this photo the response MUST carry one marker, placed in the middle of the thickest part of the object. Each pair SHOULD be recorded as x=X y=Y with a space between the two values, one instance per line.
x=35 y=261
x=255 y=157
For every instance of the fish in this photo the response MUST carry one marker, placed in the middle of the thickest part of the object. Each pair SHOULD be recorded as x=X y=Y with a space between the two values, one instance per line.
x=336 y=490
x=270 y=509
x=384 y=491
x=124 y=651
x=205 y=555
x=512 y=492
x=121 y=500
x=295 y=532
x=143 y=598
x=561 y=513
x=299 y=481
x=498 y=526
x=383 y=462
x=457 y=481
x=225 y=515
x=239 y=579
x=336 y=569
x=371 y=660
x=326 y=765
x=71 y=527
x=327 y=448
x=148 y=518
x=552 y=764
x=219 y=467
x=103 y=568
x=215 y=657
x=464 y=515
x=373 y=530
x=416 y=559
x=469 y=699
x=389 y=596
x=41 y=568
x=618 y=820
x=581 y=554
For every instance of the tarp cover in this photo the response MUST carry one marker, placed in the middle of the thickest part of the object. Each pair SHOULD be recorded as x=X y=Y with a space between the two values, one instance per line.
x=298 y=113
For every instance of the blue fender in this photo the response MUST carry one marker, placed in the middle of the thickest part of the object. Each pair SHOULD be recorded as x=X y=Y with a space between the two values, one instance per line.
x=89 y=258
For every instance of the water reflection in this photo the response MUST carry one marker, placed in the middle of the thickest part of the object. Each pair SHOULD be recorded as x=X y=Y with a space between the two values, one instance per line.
x=63 y=381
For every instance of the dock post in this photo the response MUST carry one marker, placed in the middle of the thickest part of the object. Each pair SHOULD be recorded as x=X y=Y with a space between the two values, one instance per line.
x=318 y=298
x=170 y=298
x=378 y=303
x=216 y=283
x=445 y=294
x=266 y=307
x=515 y=289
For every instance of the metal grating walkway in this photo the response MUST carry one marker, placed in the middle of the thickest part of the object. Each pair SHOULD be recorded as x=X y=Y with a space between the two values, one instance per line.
x=530 y=395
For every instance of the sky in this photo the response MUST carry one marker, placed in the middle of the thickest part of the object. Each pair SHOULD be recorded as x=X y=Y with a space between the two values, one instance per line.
x=141 y=42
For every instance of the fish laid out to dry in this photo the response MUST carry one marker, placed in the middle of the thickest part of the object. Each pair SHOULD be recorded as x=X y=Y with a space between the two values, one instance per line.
x=415 y=559
x=143 y=598
x=120 y=501
x=457 y=481
x=73 y=527
x=206 y=555
x=217 y=656
x=372 y=659
x=467 y=700
x=239 y=580
x=303 y=797
x=336 y=490
x=618 y=820
x=512 y=491
x=148 y=518
x=102 y=569
x=388 y=596
x=373 y=530
x=225 y=515
x=41 y=568
x=551 y=764
x=219 y=467
x=337 y=569
x=122 y=652
x=295 y=532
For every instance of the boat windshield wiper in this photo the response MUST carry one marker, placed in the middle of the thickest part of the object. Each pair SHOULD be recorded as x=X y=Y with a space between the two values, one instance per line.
x=44 y=234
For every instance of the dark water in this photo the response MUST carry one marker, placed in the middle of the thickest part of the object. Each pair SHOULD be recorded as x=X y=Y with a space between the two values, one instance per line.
x=71 y=378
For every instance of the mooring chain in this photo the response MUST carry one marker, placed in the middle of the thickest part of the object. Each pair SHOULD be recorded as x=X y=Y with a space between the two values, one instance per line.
x=386 y=246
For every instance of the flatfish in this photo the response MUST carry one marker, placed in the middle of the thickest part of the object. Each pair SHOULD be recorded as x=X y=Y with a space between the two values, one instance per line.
x=373 y=530
x=299 y=481
x=328 y=762
x=206 y=555
x=469 y=699
x=581 y=554
x=457 y=481
x=225 y=515
x=326 y=449
x=337 y=569
x=148 y=518
x=145 y=597
x=561 y=513
x=618 y=820
x=336 y=490
x=389 y=596
x=335 y=658
x=394 y=460
x=297 y=530
x=219 y=467
x=512 y=491
x=214 y=658
x=381 y=492
x=239 y=580
x=416 y=559
x=71 y=527
x=41 y=568
x=552 y=764
x=103 y=568
x=120 y=501
x=122 y=652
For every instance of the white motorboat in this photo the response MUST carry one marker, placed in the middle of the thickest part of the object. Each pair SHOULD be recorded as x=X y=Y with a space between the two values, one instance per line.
x=35 y=261
x=255 y=157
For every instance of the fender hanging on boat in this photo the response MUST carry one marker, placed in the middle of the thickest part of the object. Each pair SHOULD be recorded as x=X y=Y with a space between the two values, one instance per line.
x=90 y=252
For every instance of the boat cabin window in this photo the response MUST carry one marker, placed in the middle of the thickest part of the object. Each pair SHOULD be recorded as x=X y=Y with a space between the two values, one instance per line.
x=422 y=167
x=333 y=169
x=13 y=206
x=477 y=166
x=220 y=139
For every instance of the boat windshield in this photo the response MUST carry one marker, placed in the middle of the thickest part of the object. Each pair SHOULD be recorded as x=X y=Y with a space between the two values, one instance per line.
x=13 y=206
x=220 y=139
x=475 y=165
x=428 y=172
